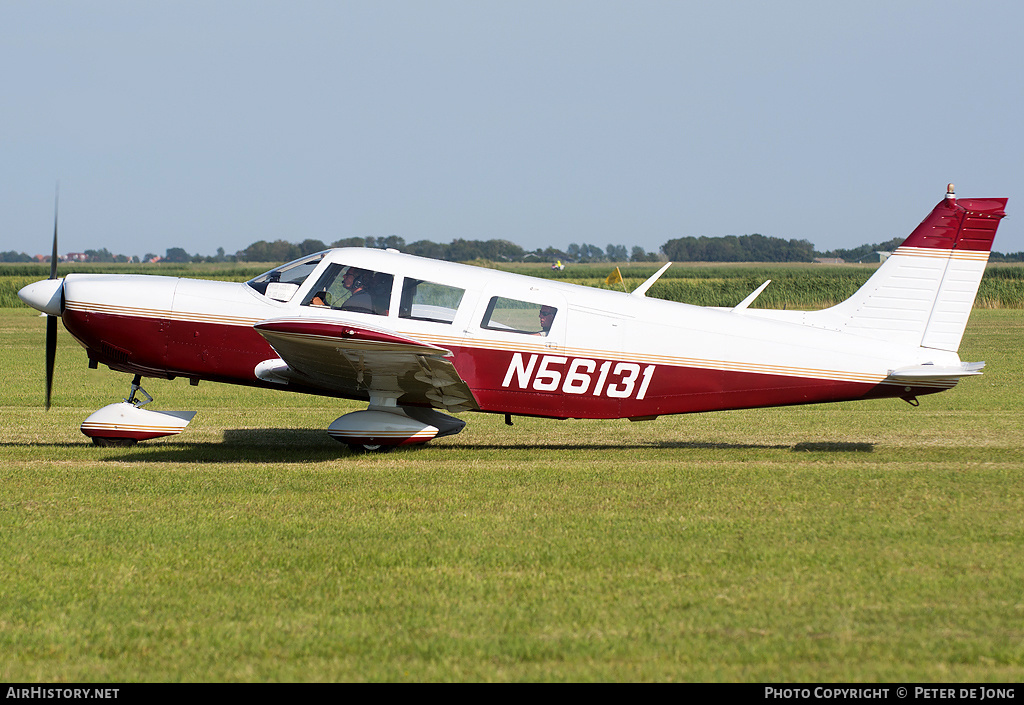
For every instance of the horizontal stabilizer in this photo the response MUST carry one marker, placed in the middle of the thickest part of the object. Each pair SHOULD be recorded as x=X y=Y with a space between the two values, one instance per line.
x=928 y=374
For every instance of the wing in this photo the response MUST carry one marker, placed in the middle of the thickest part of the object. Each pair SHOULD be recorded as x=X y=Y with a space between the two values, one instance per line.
x=355 y=360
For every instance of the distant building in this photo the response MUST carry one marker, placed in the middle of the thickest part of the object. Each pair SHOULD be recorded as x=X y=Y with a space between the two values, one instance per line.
x=76 y=257
x=876 y=256
x=829 y=260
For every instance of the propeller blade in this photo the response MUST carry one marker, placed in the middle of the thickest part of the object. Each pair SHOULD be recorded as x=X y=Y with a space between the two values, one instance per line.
x=53 y=257
x=51 y=321
x=51 y=355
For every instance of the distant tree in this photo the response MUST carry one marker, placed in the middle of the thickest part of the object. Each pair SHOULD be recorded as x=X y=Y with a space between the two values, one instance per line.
x=426 y=248
x=176 y=254
x=591 y=253
x=615 y=253
x=13 y=256
x=744 y=248
x=99 y=255
x=350 y=242
x=551 y=254
x=308 y=247
x=855 y=254
x=639 y=255
x=263 y=251
x=464 y=251
x=501 y=250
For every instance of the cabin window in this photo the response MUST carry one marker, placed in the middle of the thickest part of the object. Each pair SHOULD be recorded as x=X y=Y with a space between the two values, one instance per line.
x=513 y=316
x=352 y=289
x=429 y=301
x=282 y=282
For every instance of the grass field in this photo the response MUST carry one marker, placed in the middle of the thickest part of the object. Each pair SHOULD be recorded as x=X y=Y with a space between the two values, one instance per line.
x=857 y=542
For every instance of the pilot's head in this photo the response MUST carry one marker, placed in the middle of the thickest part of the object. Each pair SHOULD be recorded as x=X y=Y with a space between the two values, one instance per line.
x=354 y=278
x=547 y=316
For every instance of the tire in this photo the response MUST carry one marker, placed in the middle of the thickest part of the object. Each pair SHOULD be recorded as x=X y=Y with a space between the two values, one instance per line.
x=359 y=448
x=113 y=442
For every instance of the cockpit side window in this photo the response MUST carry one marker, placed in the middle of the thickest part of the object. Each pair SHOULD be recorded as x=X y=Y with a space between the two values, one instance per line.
x=513 y=316
x=352 y=289
x=429 y=301
x=282 y=282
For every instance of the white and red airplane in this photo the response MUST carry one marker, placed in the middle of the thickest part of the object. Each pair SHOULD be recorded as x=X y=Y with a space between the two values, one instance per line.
x=413 y=336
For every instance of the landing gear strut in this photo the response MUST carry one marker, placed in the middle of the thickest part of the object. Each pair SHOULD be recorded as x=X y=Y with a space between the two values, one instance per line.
x=135 y=389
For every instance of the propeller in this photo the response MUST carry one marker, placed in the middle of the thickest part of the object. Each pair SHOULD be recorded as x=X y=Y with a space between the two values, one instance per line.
x=51 y=321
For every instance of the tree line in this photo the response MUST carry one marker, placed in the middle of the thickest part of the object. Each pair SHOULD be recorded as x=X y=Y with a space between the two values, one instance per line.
x=730 y=248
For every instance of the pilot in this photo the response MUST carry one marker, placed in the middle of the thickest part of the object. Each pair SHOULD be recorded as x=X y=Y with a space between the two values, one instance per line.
x=547 y=317
x=320 y=298
x=356 y=280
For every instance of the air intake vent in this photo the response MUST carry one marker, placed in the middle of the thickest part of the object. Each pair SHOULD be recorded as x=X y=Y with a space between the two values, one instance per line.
x=114 y=353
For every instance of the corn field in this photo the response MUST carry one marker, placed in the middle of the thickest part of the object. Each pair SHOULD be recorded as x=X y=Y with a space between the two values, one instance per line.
x=804 y=286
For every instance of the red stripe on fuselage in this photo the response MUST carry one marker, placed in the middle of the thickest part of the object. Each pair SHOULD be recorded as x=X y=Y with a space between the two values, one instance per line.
x=208 y=351
x=670 y=389
x=599 y=388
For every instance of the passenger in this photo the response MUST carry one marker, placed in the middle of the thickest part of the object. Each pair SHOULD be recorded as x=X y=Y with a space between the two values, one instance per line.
x=381 y=293
x=547 y=317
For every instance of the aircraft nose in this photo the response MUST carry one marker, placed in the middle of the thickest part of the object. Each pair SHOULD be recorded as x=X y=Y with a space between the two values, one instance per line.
x=46 y=296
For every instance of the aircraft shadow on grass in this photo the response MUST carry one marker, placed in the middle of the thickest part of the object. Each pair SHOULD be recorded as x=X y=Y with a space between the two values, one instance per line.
x=287 y=445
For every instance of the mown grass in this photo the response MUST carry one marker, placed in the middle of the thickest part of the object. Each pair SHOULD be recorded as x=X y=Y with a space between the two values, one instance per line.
x=852 y=542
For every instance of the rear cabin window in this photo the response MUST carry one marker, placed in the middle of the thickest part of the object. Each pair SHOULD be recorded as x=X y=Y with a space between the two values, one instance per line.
x=429 y=301
x=514 y=316
x=352 y=289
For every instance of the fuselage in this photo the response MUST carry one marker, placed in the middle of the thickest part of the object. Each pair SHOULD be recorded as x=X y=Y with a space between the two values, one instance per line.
x=606 y=354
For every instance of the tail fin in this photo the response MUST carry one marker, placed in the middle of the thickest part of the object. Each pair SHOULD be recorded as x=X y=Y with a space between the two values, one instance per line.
x=923 y=293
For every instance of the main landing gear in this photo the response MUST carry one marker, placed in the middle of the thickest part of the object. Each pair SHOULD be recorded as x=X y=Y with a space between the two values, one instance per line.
x=385 y=425
x=127 y=423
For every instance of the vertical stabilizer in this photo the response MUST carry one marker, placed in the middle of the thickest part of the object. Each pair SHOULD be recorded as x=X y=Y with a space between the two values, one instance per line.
x=923 y=293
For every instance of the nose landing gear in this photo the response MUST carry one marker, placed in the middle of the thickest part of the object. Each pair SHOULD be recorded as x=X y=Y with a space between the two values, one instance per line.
x=127 y=423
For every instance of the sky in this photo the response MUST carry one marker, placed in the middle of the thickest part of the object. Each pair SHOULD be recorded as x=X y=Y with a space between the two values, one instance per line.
x=212 y=124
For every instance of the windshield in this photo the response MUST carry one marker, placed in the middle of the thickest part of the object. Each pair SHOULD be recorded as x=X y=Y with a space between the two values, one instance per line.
x=282 y=282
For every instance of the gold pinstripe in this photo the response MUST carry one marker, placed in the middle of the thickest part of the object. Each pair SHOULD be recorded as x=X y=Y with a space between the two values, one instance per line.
x=932 y=253
x=99 y=426
x=540 y=348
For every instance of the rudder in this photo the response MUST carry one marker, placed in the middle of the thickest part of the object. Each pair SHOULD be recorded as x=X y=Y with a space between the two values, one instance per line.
x=923 y=293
